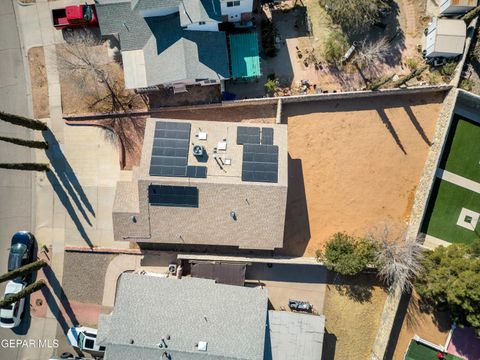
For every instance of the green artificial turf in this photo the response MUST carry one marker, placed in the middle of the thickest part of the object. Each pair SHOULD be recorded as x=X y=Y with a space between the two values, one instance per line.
x=462 y=150
x=419 y=351
x=446 y=202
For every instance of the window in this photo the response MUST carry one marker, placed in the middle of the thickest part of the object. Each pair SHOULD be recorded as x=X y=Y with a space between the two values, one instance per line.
x=6 y=320
x=233 y=3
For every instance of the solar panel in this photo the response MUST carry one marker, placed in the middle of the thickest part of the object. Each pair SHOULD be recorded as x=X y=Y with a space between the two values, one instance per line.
x=197 y=171
x=248 y=135
x=267 y=136
x=170 y=149
x=260 y=163
x=180 y=196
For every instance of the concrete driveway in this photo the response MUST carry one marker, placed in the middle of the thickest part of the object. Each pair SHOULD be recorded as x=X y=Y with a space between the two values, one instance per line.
x=285 y=282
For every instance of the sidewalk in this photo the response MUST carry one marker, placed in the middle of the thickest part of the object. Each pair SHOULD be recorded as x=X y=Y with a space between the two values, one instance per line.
x=73 y=202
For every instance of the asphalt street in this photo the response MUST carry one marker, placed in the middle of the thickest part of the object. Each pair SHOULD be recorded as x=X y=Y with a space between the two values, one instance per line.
x=15 y=187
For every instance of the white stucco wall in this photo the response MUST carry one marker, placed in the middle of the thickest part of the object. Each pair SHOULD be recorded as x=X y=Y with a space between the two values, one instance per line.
x=208 y=26
x=234 y=13
x=159 y=12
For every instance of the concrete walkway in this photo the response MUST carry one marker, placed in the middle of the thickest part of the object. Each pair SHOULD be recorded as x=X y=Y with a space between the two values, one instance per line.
x=458 y=180
x=72 y=204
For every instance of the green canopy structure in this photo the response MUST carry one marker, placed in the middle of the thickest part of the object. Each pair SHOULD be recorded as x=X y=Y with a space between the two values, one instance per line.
x=244 y=57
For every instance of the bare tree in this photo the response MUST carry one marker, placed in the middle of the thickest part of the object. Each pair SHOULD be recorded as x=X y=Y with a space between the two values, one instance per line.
x=398 y=259
x=95 y=77
x=370 y=54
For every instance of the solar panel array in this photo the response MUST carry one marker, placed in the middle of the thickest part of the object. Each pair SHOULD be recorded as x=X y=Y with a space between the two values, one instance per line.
x=254 y=135
x=182 y=196
x=170 y=151
x=248 y=135
x=260 y=163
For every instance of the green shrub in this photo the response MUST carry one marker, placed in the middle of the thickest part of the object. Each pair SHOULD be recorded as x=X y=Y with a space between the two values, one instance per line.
x=271 y=85
x=335 y=47
x=448 y=69
x=346 y=254
x=467 y=84
x=434 y=77
x=412 y=63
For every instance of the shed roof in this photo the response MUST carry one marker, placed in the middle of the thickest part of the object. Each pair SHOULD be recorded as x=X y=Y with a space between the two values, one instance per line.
x=294 y=336
x=244 y=55
x=184 y=312
x=450 y=36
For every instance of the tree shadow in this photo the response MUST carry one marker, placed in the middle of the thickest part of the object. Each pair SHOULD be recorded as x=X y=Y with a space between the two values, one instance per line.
x=61 y=296
x=297 y=227
x=397 y=325
x=66 y=175
x=357 y=293
x=417 y=125
x=329 y=345
x=64 y=199
x=386 y=121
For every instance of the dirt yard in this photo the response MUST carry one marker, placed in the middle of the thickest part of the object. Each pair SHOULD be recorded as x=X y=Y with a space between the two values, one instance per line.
x=38 y=77
x=257 y=114
x=354 y=164
x=420 y=320
x=352 y=316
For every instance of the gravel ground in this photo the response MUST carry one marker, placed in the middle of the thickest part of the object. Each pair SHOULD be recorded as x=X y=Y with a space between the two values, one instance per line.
x=84 y=276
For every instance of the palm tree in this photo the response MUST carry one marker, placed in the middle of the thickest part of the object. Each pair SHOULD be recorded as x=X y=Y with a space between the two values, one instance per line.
x=28 y=143
x=37 y=285
x=23 y=270
x=23 y=121
x=25 y=166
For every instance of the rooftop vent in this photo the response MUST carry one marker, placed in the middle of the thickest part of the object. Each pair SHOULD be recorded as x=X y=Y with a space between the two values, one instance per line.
x=202 y=346
x=198 y=150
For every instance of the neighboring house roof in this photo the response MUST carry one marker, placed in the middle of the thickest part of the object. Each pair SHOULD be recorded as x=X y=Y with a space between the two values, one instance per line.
x=170 y=53
x=184 y=312
x=194 y=11
x=294 y=336
x=139 y=5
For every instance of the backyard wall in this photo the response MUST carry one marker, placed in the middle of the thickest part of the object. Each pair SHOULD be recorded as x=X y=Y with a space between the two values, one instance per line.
x=422 y=197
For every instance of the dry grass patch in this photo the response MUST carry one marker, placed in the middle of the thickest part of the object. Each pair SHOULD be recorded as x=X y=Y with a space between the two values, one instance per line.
x=352 y=310
x=38 y=77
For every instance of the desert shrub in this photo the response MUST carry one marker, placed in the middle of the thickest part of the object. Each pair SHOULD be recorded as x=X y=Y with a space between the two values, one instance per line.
x=335 y=47
x=412 y=63
x=467 y=84
x=448 y=69
x=356 y=16
x=434 y=77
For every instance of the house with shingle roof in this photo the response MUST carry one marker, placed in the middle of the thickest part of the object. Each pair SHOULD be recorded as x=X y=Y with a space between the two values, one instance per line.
x=171 y=43
x=198 y=319
x=206 y=183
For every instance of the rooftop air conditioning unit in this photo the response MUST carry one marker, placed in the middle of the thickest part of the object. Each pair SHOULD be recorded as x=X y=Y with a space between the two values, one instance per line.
x=172 y=268
x=198 y=150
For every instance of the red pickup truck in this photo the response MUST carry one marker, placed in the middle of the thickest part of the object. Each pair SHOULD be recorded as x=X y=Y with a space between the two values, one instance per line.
x=75 y=16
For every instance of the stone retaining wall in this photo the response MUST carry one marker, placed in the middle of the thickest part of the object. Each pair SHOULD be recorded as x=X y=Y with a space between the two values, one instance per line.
x=422 y=196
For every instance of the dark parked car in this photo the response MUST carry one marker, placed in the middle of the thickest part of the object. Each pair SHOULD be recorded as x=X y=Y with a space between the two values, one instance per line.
x=298 y=305
x=21 y=250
